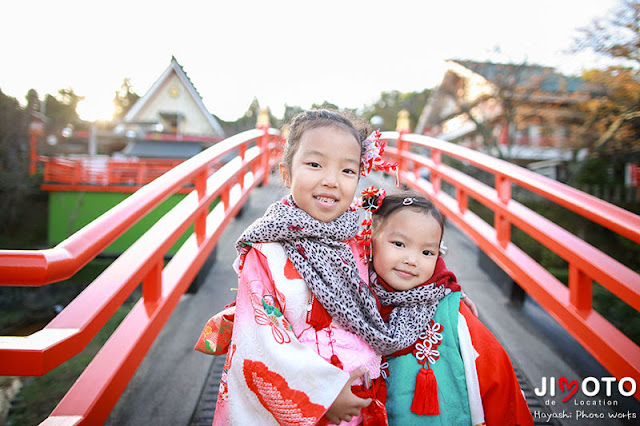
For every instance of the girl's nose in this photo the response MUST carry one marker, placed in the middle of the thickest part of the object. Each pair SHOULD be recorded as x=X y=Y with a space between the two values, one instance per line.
x=410 y=260
x=330 y=180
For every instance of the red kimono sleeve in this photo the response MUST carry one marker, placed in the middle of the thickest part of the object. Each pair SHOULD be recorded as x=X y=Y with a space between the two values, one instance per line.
x=502 y=398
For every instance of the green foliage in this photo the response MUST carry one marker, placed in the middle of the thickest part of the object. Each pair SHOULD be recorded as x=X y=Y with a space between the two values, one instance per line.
x=611 y=127
x=124 y=99
x=40 y=395
x=247 y=121
x=33 y=100
x=616 y=36
x=290 y=112
x=325 y=105
x=621 y=315
x=24 y=307
x=21 y=201
x=391 y=103
x=61 y=110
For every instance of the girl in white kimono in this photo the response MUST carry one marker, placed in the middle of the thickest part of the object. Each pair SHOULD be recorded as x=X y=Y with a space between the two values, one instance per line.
x=296 y=356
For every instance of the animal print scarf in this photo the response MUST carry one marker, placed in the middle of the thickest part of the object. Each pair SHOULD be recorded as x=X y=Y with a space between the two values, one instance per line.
x=419 y=303
x=319 y=253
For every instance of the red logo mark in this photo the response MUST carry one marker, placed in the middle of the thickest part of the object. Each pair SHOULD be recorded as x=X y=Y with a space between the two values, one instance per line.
x=565 y=385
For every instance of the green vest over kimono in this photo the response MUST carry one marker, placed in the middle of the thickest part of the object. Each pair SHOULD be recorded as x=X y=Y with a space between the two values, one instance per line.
x=448 y=369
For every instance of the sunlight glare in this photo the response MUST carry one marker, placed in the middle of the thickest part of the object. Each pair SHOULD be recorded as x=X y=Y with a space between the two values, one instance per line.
x=92 y=109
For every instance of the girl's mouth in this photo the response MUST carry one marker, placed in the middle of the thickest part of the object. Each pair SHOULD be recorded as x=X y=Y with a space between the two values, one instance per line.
x=404 y=274
x=326 y=201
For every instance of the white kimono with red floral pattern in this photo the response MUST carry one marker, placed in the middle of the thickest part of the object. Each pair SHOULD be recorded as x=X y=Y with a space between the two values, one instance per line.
x=277 y=369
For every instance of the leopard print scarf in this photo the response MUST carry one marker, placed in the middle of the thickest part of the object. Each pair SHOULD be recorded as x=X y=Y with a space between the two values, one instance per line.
x=417 y=305
x=319 y=253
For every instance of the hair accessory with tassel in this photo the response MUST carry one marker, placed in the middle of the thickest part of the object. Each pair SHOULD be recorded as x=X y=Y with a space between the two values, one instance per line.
x=370 y=202
x=372 y=156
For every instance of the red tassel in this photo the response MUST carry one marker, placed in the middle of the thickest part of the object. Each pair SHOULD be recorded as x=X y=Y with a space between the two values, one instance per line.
x=336 y=361
x=318 y=316
x=425 y=397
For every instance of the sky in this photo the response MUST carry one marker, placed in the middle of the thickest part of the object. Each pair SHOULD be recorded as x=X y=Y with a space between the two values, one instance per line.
x=281 y=52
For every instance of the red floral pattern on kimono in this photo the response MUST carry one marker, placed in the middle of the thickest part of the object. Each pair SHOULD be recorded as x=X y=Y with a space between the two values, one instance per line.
x=270 y=377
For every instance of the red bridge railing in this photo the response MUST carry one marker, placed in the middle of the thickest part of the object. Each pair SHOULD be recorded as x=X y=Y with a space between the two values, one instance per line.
x=571 y=306
x=96 y=391
x=101 y=174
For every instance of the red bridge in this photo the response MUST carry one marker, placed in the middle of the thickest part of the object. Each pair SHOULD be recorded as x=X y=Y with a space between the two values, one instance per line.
x=206 y=180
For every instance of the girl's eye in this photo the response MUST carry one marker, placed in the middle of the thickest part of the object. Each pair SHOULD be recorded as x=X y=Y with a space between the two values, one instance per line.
x=427 y=253
x=397 y=243
x=349 y=171
x=313 y=164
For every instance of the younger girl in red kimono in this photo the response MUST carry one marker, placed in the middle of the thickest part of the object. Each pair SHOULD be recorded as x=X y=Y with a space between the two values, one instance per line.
x=455 y=372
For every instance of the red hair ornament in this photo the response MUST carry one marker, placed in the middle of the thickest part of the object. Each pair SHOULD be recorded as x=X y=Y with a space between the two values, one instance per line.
x=372 y=156
x=371 y=201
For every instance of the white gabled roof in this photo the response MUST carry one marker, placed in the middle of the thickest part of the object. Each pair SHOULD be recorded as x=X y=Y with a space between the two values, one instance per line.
x=174 y=67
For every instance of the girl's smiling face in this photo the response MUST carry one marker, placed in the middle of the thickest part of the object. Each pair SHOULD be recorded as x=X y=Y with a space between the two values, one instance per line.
x=324 y=172
x=405 y=248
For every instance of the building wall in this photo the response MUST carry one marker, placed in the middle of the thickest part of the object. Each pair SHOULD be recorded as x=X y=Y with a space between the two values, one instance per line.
x=173 y=97
x=70 y=211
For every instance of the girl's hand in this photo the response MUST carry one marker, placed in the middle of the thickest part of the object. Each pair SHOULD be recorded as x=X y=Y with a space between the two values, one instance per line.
x=347 y=405
x=472 y=306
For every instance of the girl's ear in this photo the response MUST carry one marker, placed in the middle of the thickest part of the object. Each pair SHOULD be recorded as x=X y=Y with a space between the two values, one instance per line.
x=284 y=173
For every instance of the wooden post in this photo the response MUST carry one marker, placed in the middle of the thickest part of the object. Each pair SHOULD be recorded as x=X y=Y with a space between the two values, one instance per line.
x=501 y=223
x=580 y=288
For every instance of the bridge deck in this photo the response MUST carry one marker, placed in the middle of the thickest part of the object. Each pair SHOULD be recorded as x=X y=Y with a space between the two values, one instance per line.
x=177 y=385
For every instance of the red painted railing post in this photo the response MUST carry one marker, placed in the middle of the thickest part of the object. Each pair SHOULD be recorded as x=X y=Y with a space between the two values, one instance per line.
x=142 y=171
x=152 y=283
x=224 y=197
x=241 y=152
x=501 y=223
x=463 y=200
x=580 y=288
x=436 y=157
x=200 y=226
x=77 y=172
x=263 y=124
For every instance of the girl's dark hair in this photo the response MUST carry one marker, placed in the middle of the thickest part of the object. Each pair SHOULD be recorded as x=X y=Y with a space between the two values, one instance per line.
x=406 y=200
x=313 y=119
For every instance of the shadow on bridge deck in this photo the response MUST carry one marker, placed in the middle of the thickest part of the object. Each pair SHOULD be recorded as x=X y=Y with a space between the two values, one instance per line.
x=176 y=385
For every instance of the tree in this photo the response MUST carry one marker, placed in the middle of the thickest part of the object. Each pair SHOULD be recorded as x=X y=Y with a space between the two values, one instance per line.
x=612 y=126
x=325 y=105
x=61 y=110
x=247 y=121
x=33 y=100
x=617 y=37
x=290 y=112
x=17 y=214
x=495 y=106
x=124 y=99
x=391 y=103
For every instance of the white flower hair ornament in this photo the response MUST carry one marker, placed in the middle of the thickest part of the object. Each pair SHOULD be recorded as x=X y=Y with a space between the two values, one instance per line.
x=372 y=156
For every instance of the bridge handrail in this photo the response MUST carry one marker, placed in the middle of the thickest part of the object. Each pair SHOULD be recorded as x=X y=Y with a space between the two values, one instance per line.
x=571 y=306
x=606 y=214
x=88 y=173
x=41 y=267
x=96 y=391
